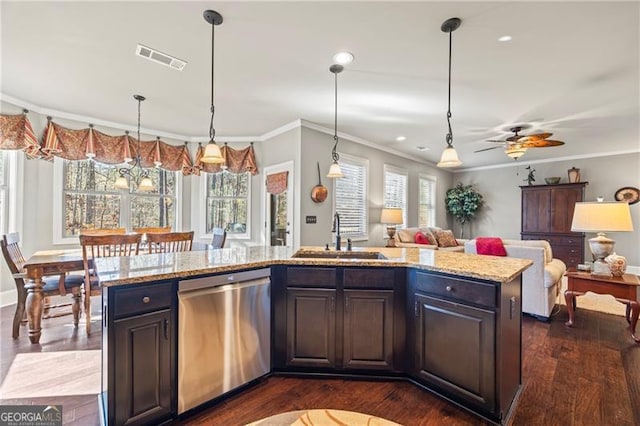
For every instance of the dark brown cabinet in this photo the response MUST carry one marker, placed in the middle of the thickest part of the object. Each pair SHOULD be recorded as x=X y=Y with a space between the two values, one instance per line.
x=339 y=318
x=547 y=212
x=465 y=339
x=139 y=347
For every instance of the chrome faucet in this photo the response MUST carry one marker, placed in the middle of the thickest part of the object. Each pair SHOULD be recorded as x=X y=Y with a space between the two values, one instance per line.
x=336 y=229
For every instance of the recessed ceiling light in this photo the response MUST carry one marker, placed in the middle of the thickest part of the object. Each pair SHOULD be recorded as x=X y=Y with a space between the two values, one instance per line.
x=505 y=38
x=343 y=58
x=401 y=138
x=422 y=148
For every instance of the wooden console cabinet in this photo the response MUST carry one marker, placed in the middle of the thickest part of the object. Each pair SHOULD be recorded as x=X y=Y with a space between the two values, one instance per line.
x=547 y=212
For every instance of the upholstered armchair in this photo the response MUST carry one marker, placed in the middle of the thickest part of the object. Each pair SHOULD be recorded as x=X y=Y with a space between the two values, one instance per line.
x=542 y=281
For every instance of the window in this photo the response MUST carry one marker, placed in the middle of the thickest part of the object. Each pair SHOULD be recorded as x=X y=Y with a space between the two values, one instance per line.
x=395 y=190
x=351 y=197
x=10 y=187
x=427 y=200
x=227 y=203
x=90 y=199
x=4 y=191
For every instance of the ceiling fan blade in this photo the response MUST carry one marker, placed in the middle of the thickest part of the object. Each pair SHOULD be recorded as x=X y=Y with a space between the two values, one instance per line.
x=532 y=138
x=545 y=143
x=494 y=140
x=487 y=149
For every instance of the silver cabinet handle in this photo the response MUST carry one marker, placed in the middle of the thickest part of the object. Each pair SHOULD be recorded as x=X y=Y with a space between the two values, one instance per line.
x=146 y=299
x=449 y=288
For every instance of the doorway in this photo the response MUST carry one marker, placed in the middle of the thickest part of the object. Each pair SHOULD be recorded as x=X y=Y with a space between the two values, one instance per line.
x=279 y=204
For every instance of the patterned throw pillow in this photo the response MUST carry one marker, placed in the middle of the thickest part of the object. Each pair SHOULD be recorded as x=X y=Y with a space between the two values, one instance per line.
x=445 y=238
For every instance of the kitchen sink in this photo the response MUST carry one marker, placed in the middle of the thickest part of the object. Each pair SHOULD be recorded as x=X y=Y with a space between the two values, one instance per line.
x=338 y=255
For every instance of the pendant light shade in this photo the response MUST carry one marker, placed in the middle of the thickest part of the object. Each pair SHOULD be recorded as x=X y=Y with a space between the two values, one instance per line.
x=135 y=172
x=335 y=171
x=515 y=152
x=212 y=153
x=449 y=155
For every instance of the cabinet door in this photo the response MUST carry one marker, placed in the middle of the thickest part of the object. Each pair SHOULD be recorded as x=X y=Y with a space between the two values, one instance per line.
x=563 y=201
x=311 y=327
x=536 y=210
x=455 y=350
x=368 y=329
x=143 y=378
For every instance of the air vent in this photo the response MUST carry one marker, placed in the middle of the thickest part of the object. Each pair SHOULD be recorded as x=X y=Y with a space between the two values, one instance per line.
x=159 y=57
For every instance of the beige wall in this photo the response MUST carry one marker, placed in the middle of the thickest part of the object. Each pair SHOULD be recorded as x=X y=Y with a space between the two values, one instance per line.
x=500 y=188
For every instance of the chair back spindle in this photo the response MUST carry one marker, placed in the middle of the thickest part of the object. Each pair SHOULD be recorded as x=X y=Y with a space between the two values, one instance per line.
x=170 y=242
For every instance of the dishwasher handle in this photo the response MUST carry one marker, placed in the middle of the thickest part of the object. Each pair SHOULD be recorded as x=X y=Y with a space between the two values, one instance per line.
x=222 y=279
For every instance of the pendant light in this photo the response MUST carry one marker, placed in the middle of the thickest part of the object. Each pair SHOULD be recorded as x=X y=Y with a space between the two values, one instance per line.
x=135 y=172
x=212 y=153
x=449 y=155
x=334 y=170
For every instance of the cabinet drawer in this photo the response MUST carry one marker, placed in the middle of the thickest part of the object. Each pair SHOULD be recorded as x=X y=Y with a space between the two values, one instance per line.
x=368 y=278
x=556 y=240
x=457 y=289
x=311 y=277
x=141 y=299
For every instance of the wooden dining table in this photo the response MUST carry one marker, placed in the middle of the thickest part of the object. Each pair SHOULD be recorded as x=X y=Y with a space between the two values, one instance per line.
x=41 y=264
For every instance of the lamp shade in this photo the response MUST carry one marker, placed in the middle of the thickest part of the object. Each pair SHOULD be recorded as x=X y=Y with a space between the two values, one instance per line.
x=212 y=154
x=449 y=158
x=335 y=171
x=515 y=153
x=391 y=216
x=602 y=217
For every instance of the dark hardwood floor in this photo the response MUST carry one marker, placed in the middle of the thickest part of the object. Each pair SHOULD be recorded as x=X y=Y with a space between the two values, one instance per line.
x=585 y=375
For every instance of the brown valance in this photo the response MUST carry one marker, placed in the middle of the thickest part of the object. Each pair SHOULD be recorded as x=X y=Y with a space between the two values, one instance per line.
x=16 y=132
x=236 y=161
x=90 y=143
x=277 y=183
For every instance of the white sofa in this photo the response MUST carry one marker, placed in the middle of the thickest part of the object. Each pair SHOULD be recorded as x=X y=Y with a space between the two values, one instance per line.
x=405 y=237
x=541 y=282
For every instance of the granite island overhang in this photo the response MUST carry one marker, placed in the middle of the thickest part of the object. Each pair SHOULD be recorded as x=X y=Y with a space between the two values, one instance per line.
x=447 y=322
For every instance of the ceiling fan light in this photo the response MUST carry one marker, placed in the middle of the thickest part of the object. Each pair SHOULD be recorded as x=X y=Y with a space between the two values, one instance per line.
x=449 y=158
x=212 y=154
x=515 y=153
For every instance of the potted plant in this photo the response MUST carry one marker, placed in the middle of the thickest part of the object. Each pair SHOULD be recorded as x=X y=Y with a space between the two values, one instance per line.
x=462 y=203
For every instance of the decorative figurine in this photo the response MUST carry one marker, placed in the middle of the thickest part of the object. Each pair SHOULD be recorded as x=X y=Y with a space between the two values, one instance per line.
x=530 y=178
x=574 y=175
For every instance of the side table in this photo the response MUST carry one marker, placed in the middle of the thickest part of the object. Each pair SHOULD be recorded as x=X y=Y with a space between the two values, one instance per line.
x=625 y=289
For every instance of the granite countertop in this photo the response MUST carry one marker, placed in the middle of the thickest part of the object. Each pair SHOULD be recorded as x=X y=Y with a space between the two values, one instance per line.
x=114 y=271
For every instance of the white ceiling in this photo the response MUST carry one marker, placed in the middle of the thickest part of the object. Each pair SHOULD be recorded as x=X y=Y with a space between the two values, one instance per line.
x=572 y=69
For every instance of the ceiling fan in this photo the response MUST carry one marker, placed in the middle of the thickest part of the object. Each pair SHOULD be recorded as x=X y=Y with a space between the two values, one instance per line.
x=516 y=145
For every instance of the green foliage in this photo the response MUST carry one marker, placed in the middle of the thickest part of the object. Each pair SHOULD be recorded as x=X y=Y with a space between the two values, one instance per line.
x=463 y=202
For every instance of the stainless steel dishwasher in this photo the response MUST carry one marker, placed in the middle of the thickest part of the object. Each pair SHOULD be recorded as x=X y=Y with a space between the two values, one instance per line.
x=224 y=334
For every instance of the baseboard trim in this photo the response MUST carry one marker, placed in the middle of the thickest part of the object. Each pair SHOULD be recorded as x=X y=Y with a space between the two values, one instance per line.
x=8 y=297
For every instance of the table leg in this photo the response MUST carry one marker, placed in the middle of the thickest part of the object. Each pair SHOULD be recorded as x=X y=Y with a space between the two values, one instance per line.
x=635 y=311
x=34 y=307
x=570 y=299
x=628 y=312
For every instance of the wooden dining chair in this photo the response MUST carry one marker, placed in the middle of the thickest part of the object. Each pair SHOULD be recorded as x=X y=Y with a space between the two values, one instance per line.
x=51 y=286
x=153 y=230
x=95 y=246
x=219 y=237
x=103 y=231
x=170 y=242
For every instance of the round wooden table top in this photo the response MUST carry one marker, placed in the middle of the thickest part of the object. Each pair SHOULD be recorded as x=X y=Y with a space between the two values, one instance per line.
x=322 y=417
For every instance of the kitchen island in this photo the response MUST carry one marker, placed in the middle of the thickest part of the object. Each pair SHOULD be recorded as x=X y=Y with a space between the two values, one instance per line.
x=448 y=322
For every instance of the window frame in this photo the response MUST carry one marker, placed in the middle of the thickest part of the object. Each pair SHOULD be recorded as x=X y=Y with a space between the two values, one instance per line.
x=434 y=192
x=389 y=169
x=125 y=200
x=362 y=162
x=11 y=204
x=203 y=209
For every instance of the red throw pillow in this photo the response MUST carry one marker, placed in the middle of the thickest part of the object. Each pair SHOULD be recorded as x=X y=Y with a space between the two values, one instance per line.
x=420 y=238
x=490 y=246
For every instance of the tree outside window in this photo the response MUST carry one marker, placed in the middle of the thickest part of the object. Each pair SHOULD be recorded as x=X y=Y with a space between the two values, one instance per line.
x=227 y=204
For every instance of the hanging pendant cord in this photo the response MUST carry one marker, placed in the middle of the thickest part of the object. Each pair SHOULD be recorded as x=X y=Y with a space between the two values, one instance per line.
x=450 y=134
x=138 y=157
x=212 y=131
x=334 y=153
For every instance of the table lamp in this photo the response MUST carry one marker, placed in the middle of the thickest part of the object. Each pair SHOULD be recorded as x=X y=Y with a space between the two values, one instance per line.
x=601 y=217
x=391 y=217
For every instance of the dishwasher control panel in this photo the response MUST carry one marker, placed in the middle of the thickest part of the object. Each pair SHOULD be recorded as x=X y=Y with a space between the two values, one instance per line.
x=223 y=279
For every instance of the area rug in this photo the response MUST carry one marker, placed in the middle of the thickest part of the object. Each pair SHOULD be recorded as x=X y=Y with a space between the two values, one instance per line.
x=323 y=417
x=594 y=302
x=46 y=374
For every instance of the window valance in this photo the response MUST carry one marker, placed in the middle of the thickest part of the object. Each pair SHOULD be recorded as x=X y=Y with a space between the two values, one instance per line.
x=236 y=161
x=16 y=133
x=90 y=143
x=277 y=183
